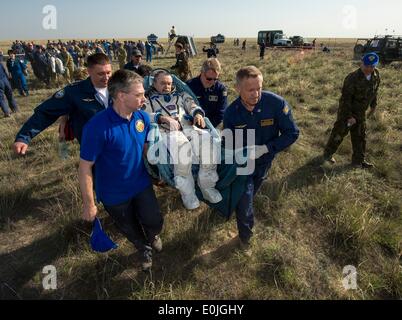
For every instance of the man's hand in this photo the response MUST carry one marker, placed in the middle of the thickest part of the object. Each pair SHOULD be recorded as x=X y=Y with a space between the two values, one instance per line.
x=351 y=122
x=173 y=124
x=20 y=148
x=199 y=121
x=371 y=113
x=256 y=152
x=89 y=212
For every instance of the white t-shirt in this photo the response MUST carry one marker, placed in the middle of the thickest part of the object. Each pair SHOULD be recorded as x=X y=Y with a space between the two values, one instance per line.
x=104 y=95
x=368 y=77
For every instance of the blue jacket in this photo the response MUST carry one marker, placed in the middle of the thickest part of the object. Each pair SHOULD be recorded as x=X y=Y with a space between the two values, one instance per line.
x=79 y=100
x=213 y=101
x=16 y=68
x=3 y=72
x=272 y=121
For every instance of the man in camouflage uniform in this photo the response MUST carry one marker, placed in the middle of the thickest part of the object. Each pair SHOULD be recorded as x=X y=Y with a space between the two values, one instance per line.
x=359 y=92
x=68 y=63
x=121 y=56
x=182 y=66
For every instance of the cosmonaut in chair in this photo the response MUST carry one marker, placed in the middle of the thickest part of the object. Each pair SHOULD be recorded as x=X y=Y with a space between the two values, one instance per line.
x=180 y=122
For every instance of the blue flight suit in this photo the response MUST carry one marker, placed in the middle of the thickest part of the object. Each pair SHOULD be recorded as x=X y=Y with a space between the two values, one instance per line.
x=16 y=67
x=149 y=49
x=80 y=101
x=213 y=101
x=274 y=127
x=6 y=92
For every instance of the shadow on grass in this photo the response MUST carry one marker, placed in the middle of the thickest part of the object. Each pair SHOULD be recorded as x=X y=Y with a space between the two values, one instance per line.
x=19 y=267
x=114 y=277
x=308 y=175
x=16 y=205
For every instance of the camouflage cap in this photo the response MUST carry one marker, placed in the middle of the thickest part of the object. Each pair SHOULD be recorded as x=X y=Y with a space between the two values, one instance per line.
x=137 y=53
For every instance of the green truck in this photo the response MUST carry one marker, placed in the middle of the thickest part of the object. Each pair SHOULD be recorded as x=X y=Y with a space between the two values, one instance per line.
x=274 y=38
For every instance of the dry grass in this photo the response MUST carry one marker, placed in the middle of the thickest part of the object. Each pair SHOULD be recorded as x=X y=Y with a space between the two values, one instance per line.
x=311 y=220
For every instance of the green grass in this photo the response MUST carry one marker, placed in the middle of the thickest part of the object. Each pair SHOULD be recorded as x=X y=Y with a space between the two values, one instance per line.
x=312 y=221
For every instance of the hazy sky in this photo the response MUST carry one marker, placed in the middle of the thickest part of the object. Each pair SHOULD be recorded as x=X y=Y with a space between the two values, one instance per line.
x=23 y=19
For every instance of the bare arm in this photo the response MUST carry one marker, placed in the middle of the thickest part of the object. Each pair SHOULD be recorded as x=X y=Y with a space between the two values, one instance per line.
x=86 y=185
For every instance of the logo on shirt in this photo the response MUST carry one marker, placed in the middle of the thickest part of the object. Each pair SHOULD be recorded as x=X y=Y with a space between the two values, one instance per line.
x=140 y=126
x=213 y=98
x=88 y=100
x=171 y=107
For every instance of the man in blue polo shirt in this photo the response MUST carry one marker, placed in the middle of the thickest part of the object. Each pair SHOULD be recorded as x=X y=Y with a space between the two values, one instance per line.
x=270 y=119
x=212 y=94
x=114 y=141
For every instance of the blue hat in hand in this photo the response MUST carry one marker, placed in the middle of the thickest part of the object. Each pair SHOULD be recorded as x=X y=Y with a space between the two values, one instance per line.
x=371 y=59
x=100 y=242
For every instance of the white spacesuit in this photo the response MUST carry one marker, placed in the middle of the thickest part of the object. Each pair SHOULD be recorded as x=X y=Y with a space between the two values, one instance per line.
x=187 y=145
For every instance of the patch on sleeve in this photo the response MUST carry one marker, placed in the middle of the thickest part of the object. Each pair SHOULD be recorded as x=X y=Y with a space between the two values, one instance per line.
x=286 y=110
x=225 y=93
x=59 y=94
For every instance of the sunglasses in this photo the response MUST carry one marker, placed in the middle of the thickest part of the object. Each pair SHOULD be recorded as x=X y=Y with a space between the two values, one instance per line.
x=212 y=79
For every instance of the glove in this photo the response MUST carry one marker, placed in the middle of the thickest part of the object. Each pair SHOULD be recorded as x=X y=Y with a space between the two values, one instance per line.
x=256 y=152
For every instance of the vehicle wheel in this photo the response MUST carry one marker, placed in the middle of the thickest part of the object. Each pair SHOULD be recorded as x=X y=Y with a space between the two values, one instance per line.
x=383 y=61
x=359 y=49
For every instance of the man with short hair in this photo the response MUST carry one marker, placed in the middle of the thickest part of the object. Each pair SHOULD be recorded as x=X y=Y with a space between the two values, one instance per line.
x=114 y=142
x=359 y=93
x=136 y=64
x=210 y=92
x=182 y=66
x=212 y=51
x=17 y=69
x=270 y=118
x=79 y=101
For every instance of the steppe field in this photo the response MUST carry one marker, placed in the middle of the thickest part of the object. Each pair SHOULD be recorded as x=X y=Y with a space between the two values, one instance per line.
x=311 y=221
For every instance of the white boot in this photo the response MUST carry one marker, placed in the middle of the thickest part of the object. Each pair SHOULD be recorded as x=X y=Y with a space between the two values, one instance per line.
x=186 y=187
x=207 y=179
x=212 y=195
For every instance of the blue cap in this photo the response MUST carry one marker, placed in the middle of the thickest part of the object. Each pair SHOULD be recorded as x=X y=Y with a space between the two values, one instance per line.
x=100 y=242
x=371 y=59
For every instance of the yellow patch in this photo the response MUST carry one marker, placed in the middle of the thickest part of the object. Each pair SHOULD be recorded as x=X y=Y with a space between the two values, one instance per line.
x=267 y=122
x=286 y=110
x=140 y=126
